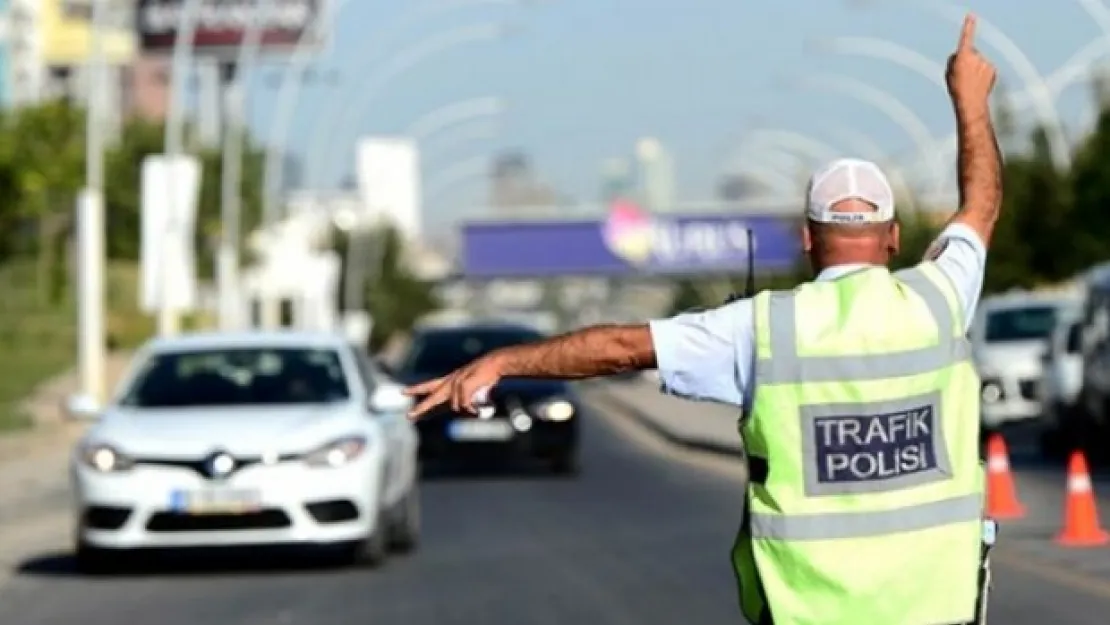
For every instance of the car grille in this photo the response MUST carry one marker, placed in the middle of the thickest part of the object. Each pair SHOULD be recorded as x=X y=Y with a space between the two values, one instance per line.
x=1028 y=389
x=333 y=511
x=105 y=517
x=172 y=522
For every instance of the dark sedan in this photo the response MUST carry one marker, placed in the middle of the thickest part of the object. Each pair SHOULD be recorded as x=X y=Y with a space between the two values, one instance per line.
x=533 y=419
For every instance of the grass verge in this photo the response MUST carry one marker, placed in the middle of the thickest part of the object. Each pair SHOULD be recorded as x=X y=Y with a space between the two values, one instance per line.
x=38 y=333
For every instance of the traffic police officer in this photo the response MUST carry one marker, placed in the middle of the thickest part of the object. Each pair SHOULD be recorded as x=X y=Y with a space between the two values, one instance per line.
x=865 y=494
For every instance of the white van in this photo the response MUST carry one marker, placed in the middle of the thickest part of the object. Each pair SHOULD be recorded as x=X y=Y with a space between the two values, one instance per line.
x=1008 y=337
x=1061 y=382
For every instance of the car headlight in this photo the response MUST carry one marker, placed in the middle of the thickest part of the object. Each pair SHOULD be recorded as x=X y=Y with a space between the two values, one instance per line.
x=105 y=458
x=556 y=410
x=337 y=453
x=991 y=392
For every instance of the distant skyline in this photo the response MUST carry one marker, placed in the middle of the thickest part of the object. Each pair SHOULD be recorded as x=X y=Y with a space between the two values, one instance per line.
x=583 y=80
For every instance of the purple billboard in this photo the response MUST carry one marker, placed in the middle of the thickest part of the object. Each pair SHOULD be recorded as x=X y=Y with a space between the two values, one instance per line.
x=629 y=242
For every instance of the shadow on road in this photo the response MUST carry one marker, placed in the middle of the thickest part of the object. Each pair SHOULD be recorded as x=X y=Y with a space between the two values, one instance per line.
x=490 y=470
x=190 y=562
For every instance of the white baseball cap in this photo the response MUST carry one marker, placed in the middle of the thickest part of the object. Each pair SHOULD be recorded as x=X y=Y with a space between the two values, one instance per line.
x=844 y=179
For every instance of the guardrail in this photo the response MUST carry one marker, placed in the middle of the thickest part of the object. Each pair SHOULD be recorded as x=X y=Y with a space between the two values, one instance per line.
x=698 y=425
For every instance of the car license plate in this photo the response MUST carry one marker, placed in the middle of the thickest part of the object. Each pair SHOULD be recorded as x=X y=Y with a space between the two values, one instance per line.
x=481 y=430
x=215 y=501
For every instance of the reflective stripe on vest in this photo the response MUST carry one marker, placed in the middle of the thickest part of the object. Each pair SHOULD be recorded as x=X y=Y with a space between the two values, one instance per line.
x=786 y=366
x=861 y=524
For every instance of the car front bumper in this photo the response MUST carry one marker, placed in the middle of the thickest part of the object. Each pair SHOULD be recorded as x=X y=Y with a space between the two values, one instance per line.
x=1008 y=400
x=439 y=438
x=1009 y=412
x=296 y=504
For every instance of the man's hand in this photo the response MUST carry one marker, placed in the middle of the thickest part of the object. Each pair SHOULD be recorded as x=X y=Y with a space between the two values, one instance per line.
x=970 y=80
x=970 y=76
x=461 y=389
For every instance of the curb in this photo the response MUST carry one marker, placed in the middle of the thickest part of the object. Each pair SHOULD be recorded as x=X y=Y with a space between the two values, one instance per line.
x=702 y=446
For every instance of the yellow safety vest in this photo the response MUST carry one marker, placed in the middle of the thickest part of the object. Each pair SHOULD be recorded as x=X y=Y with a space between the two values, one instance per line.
x=865 y=499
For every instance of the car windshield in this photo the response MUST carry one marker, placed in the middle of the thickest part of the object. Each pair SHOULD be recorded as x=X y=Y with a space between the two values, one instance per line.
x=1020 y=324
x=238 y=377
x=441 y=352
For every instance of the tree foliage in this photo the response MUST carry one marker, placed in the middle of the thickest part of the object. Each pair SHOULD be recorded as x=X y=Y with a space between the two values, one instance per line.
x=42 y=169
x=395 y=296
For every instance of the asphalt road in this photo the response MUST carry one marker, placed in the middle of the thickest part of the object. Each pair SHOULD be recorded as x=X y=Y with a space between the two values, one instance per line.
x=640 y=538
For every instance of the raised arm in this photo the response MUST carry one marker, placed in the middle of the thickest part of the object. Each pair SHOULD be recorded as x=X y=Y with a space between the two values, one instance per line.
x=970 y=82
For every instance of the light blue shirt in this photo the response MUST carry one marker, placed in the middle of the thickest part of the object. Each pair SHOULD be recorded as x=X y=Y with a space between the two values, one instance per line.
x=710 y=355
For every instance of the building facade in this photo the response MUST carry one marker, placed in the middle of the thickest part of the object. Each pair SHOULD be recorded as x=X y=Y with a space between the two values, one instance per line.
x=514 y=188
x=46 y=50
x=655 y=172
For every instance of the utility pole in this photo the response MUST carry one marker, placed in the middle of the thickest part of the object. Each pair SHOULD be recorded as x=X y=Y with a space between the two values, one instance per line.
x=227 y=258
x=91 y=346
x=168 y=322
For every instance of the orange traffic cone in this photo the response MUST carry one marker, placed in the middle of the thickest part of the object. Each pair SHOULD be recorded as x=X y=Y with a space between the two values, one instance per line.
x=1002 y=500
x=1081 y=525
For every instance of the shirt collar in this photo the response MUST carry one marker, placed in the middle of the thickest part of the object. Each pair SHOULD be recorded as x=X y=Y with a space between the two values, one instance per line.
x=839 y=271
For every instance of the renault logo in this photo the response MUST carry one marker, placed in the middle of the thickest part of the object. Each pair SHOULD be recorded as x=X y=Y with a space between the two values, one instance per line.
x=219 y=465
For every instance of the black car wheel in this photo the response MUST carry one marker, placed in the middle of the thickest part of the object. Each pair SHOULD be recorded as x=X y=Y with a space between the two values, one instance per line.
x=565 y=463
x=95 y=561
x=405 y=531
x=1054 y=444
x=372 y=551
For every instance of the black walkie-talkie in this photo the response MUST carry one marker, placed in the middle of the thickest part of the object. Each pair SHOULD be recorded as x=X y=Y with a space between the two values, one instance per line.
x=749 y=288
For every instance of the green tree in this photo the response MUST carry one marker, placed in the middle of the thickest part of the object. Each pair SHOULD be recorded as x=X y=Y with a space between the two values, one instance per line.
x=122 y=190
x=395 y=297
x=1089 y=220
x=124 y=193
x=42 y=160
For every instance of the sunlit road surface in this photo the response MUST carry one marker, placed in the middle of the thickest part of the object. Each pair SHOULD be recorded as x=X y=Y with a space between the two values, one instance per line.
x=640 y=538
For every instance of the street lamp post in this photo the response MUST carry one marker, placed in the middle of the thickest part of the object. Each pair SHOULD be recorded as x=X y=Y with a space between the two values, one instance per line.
x=231 y=81
x=174 y=146
x=90 y=222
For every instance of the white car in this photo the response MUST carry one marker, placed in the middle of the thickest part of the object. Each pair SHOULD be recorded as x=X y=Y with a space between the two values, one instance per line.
x=1061 y=382
x=1008 y=337
x=248 y=439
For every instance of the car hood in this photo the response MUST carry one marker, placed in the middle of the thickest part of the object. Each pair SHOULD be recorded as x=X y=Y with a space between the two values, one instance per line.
x=187 y=433
x=514 y=391
x=515 y=387
x=1016 y=358
x=531 y=390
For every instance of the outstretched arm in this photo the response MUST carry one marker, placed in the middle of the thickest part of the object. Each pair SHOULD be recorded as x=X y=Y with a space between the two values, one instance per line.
x=970 y=82
x=703 y=355
x=595 y=351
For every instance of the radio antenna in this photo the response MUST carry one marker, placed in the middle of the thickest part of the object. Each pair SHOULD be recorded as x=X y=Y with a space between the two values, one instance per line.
x=750 y=288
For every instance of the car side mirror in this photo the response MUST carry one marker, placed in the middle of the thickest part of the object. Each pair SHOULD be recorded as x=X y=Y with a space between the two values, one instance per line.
x=389 y=398
x=82 y=408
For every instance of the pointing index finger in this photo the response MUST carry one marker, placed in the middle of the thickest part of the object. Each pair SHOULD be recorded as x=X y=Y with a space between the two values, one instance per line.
x=423 y=388
x=967 y=33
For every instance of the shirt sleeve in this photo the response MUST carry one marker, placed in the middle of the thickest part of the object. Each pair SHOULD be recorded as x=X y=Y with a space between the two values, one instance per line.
x=707 y=356
x=961 y=255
